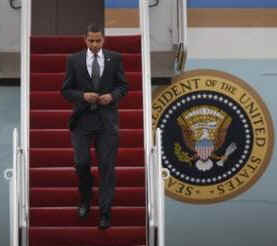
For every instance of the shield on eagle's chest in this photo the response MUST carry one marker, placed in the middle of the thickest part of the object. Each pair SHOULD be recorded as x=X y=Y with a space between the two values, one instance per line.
x=204 y=148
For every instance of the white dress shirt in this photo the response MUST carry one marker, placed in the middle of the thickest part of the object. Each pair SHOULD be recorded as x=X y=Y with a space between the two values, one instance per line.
x=100 y=59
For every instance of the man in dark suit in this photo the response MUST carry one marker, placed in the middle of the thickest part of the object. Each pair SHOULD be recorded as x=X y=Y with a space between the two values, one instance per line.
x=95 y=83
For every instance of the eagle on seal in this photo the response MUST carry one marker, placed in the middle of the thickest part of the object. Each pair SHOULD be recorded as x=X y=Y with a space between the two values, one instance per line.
x=204 y=129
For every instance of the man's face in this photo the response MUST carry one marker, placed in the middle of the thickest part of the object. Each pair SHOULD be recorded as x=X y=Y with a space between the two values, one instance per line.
x=94 y=41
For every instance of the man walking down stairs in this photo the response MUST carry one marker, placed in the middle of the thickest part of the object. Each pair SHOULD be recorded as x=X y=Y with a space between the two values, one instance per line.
x=95 y=82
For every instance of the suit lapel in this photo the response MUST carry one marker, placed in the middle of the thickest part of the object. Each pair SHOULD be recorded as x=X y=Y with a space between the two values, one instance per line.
x=107 y=63
x=84 y=64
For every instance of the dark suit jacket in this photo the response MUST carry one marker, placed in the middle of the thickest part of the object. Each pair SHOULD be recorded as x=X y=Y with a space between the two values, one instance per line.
x=77 y=81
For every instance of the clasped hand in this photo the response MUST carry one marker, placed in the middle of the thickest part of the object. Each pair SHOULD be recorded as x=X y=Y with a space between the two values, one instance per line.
x=92 y=97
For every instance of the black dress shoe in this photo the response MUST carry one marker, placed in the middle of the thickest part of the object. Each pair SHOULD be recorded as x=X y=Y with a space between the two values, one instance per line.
x=84 y=210
x=85 y=204
x=105 y=221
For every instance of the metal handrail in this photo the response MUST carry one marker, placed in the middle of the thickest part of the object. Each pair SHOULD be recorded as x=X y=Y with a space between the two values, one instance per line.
x=151 y=224
x=14 y=177
x=159 y=189
x=14 y=194
x=24 y=189
x=156 y=195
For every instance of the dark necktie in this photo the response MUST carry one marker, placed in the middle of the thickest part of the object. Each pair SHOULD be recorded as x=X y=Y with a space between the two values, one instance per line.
x=95 y=72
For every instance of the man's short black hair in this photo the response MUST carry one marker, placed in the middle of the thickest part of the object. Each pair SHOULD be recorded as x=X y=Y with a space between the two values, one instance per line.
x=93 y=27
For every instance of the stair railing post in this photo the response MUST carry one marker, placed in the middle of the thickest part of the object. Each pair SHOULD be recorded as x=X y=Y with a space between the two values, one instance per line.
x=151 y=199
x=156 y=233
x=12 y=175
x=160 y=213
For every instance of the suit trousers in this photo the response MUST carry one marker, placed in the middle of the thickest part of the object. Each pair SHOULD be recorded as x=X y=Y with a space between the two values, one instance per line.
x=106 y=145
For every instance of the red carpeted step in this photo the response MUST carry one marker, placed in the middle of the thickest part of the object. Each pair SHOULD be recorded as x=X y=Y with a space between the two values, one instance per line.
x=41 y=197
x=56 y=63
x=66 y=177
x=58 y=119
x=53 y=81
x=87 y=236
x=63 y=157
x=54 y=100
x=45 y=138
x=68 y=216
x=71 y=44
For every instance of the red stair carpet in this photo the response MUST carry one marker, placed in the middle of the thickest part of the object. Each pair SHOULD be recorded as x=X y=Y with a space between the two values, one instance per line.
x=53 y=184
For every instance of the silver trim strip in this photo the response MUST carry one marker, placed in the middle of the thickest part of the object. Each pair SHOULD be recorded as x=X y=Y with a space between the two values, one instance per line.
x=25 y=109
x=147 y=111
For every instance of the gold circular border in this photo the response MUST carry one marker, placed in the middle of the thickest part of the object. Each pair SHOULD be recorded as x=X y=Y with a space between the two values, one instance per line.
x=268 y=119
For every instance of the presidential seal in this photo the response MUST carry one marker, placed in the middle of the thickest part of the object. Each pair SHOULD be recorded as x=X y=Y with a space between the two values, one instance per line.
x=217 y=136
